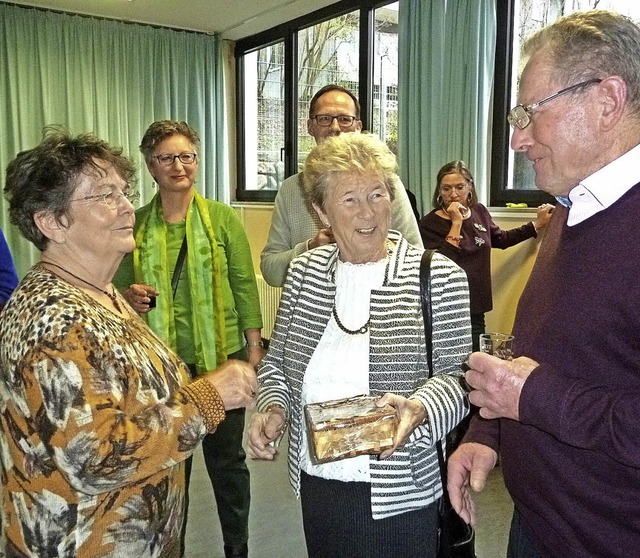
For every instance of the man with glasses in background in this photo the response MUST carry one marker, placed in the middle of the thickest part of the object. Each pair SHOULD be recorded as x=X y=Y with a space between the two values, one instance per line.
x=295 y=227
x=566 y=415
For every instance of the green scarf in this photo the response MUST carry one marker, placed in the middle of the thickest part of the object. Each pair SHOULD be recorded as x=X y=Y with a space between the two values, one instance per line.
x=205 y=280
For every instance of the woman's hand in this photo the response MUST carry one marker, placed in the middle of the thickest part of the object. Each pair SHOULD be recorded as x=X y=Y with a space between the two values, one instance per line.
x=409 y=412
x=235 y=381
x=138 y=296
x=457 y=212
x=543 y=216
x=255 y=354
x=263 y=429
x=255 y=348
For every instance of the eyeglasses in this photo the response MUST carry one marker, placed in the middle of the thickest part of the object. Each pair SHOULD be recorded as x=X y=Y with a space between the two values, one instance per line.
x=448 y=188
x=325 y=120
x=167 y=159
x=520 y=115
x=111 y=199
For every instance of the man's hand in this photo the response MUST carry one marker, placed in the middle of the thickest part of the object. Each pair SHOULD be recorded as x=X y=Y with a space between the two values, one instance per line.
x=497 y=384
x=467 y=469
x=324 y=236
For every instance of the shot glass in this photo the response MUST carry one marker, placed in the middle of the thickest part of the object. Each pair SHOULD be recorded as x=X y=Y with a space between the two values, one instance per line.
x=497 y=344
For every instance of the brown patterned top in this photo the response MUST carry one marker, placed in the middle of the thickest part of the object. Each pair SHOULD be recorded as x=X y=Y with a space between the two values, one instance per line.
x=95 y=423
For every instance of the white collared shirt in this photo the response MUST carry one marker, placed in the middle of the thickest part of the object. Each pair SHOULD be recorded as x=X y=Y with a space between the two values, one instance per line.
x=604 y=187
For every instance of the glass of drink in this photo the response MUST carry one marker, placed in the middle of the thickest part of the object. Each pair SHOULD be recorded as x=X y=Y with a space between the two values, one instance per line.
x=497 y=344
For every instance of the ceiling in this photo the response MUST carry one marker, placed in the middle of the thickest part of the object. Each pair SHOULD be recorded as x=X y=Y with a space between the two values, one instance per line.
x=232 y=19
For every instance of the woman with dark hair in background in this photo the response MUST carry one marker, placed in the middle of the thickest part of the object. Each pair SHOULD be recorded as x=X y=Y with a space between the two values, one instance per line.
x=462 y=229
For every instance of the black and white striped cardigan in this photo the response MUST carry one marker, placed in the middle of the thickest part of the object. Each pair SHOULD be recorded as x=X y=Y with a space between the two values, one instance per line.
x=410 y=478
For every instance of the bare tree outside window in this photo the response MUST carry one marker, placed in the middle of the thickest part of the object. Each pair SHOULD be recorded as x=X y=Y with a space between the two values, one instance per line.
x=531 y=16
x=328 y=52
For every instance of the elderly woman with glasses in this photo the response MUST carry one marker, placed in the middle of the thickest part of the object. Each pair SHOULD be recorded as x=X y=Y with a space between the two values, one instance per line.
x=462 y=229
x=350 y=322
x=96 y=414
x=192 y=258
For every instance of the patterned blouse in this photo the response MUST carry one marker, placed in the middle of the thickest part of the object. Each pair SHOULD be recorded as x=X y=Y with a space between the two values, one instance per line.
x=95 y=423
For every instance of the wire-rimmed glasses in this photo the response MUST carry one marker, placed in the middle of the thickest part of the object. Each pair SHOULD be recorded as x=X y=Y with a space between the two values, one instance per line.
x=325 y=120
x=167 y=159
x=520 y=115
x=111 y=199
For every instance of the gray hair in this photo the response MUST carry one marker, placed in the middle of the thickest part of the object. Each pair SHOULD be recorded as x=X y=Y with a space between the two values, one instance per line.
x=592 y=44
x=347 y=154
x=45 y=178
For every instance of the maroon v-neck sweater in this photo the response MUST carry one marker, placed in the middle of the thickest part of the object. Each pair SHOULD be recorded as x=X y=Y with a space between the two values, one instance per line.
x=572 y=463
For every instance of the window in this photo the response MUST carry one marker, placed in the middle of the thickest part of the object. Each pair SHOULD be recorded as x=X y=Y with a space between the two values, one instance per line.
x=264 y=112
x=512 y=176
x=328 y=52
x=353 y=44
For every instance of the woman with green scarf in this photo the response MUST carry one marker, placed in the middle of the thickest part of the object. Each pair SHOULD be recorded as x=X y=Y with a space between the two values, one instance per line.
x=206 y=305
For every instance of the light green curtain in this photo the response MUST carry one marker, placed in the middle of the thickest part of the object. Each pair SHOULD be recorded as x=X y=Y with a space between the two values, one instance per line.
x=110 y=78
x=445 y=85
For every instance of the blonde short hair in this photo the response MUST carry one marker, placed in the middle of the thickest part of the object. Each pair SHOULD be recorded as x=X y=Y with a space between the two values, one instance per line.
x=348 y=153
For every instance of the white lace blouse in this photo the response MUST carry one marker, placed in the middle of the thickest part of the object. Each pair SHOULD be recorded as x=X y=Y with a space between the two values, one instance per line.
x=339 y=366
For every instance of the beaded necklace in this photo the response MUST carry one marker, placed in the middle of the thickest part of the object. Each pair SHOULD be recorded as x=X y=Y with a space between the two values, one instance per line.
x=112 y=296
x=364 y=328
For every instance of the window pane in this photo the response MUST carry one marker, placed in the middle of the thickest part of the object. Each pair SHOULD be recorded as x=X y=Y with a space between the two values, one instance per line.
x=327 y=53
x=385 y=75
x=531 y=16
x=264 y=117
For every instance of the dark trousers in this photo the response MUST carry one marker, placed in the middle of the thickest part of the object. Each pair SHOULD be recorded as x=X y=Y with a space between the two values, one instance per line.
x=520 y=545
x=457 y=434
x=477 y=328
x=338 y=524
x=225 y=460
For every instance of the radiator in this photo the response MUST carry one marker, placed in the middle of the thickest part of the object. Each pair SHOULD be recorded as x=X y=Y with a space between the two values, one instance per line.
x=269 y=302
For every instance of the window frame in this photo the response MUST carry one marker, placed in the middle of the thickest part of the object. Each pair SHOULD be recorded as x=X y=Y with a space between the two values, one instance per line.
x=499 y=195
x=287 y=33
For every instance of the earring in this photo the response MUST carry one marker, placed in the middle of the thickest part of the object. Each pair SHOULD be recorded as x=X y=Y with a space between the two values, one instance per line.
x=440 y=201
x=469 y=198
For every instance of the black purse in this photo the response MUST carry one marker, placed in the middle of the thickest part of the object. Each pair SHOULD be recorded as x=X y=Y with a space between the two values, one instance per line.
x=456 y=539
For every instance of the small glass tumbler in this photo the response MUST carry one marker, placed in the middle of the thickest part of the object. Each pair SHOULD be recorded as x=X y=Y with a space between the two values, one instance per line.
x=497 y=344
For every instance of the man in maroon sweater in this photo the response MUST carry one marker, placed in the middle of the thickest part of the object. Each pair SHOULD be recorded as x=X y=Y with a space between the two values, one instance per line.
x=565 y=414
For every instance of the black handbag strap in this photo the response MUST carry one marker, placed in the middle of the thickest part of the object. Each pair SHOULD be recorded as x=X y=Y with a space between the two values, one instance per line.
x=177 y=270
x=425 y=297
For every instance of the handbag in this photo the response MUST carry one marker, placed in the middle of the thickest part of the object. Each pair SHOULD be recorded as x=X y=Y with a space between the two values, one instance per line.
x=456 y=538
x=177 y=270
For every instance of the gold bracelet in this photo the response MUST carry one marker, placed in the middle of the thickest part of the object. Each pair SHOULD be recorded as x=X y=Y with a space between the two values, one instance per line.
x=255 y=344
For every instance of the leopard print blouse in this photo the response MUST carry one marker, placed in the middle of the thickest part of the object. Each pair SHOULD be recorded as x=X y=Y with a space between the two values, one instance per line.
x=95 y=424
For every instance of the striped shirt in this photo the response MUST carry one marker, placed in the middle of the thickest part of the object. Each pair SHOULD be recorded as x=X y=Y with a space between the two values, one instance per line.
x=410 y=478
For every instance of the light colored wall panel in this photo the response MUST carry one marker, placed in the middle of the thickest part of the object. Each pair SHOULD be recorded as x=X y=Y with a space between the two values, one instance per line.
x=510 y=267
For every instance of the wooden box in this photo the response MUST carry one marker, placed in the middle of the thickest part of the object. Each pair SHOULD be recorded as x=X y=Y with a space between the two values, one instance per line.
x=349 y=427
